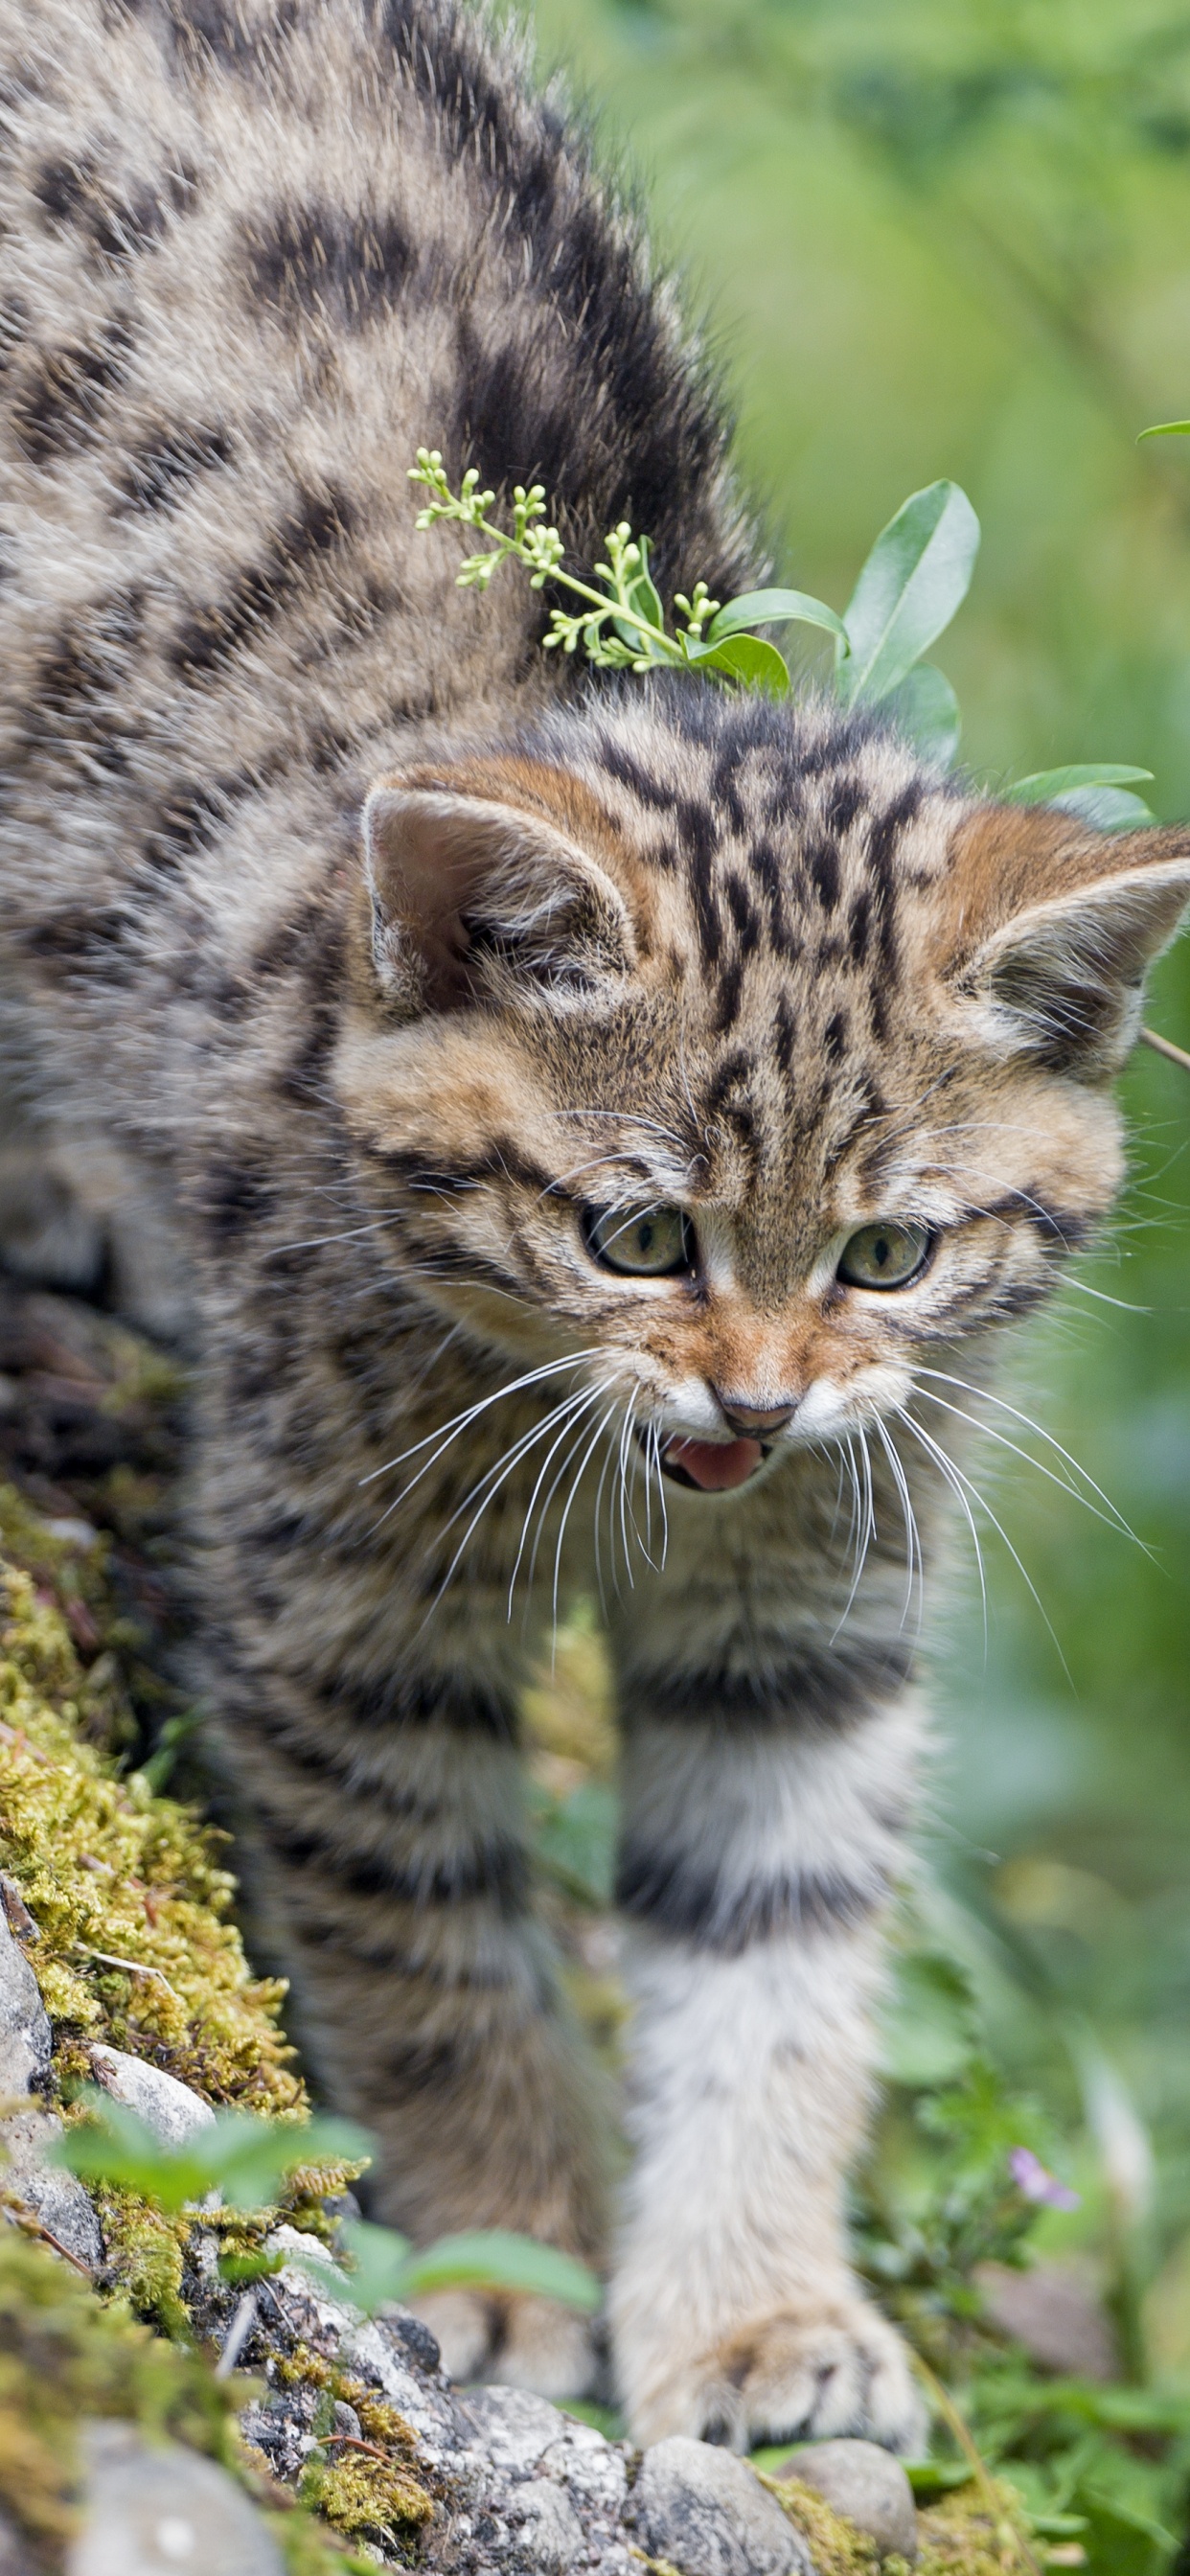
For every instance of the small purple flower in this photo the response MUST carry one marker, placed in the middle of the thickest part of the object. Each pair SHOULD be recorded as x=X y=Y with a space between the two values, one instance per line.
x=1031 y=2178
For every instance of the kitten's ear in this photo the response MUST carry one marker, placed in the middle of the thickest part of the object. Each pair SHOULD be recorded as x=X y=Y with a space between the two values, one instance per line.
x=1062 y=977
x=466 y=892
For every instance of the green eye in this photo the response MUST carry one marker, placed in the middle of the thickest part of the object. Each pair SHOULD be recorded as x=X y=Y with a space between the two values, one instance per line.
x=884 y=1256
x=645 y=1243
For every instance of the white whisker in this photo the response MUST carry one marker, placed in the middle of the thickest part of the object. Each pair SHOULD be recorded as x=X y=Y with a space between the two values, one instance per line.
x=532 y=1503
x=1111 y=1518
x=579 y=1474
x=452 y=1430
x=953 y=1470
x=915 y=1565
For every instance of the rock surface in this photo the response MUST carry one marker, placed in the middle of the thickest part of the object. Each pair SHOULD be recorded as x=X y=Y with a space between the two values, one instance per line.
x=706 y=2510
x=159 y=2510
x=865 y=2483
x=1056 y=2314
x=170 y=2109
x=56 y=2200
x=25 y=2036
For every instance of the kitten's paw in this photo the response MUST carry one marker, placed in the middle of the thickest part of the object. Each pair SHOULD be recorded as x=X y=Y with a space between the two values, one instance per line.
x=831 y=2368
x=521 y=2342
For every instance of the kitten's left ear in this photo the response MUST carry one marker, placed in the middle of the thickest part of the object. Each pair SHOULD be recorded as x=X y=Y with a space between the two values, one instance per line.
x=1062 y=978
x=469 y=891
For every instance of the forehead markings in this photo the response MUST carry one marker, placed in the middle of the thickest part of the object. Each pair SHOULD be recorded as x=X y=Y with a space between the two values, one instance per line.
x=883 y=838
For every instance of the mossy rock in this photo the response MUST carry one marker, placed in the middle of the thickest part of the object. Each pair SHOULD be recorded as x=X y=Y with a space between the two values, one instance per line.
x=127 y=1889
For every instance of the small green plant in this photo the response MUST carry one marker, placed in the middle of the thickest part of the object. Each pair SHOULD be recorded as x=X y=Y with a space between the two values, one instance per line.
x=962 y=2175
x=246 y=2160
x=914 y=580
x=242 y=2158
x=387 y=2270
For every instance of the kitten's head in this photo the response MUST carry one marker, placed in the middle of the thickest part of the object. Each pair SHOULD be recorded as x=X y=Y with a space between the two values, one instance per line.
x=719 y=1043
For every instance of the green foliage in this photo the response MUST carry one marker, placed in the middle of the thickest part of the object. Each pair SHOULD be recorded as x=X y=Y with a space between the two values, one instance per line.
x=1105 y=2467
x=242 y=2158
x=915 y=578
x=917 y=575
x=246 y=2161
x=385 y=2269
x=63 y=2356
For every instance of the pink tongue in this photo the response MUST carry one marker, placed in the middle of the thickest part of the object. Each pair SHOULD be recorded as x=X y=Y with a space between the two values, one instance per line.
x=716 y=1465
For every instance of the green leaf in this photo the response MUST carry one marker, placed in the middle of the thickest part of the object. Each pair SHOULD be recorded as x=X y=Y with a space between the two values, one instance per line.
x=493 y=2258
x=243 y=2158
x=917 y=575
x=745 y=658
x=772 y=608
x=925 y=709
x=1046 y=786
x=929 y=2030
x=1165 y=429
x=1110 y=809
x=386 y=2270
x=937 y=2477
x=246 y=2159
x=576 y=1840
x=644 y=598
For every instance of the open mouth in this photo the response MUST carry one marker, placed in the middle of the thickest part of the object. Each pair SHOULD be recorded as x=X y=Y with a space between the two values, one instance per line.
x=712 y=1466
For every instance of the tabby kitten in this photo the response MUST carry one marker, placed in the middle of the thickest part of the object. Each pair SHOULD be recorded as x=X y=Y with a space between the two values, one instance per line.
x=596 y=1124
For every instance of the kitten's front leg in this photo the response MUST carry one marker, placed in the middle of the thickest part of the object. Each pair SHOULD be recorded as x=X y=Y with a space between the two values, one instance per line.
x=760 y=1842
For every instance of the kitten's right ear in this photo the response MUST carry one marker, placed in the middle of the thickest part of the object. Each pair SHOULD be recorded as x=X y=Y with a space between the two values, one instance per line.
x=468 y=893
x=1053 y=929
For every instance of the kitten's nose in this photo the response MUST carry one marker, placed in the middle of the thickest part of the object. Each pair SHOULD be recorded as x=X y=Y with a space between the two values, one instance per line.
x=755 y=1419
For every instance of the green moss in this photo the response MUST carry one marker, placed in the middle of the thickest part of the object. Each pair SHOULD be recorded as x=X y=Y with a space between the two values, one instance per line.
x=127 y=1889
x=144 y=2256
x=367 y=2496
x=837 y=2547
x=959 y=2536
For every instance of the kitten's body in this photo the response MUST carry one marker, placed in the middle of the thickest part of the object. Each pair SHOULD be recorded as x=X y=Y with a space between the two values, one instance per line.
x=636 y=947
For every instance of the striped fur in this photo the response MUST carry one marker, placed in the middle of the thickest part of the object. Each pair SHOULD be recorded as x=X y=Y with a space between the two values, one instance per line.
x=363 y=951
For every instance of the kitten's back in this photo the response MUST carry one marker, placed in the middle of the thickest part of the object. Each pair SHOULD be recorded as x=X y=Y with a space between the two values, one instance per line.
x=254 y=255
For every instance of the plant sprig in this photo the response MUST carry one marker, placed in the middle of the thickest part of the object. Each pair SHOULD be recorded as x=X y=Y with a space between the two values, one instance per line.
x=622 y=625
x=916 y=576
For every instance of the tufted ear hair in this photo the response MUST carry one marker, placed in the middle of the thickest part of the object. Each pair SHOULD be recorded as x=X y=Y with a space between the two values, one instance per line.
x=468 y=893
x=1062 y=978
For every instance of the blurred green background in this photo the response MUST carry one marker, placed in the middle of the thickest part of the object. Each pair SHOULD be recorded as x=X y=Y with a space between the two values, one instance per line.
x=951 y=237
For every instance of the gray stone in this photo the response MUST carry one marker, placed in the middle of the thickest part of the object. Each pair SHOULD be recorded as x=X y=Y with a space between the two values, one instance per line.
x=25 y=2036
x=594 y=2470
x=513 y=2426
x=551 y=2536
x=56 y=2198
x=706 y=2510
x=865 y=2483
x=159 y=2510
x=376 y=2352
x=167 y=2107
x=1055 y=2312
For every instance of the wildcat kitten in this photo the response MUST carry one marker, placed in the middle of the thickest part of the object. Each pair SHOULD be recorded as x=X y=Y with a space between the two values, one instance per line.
x=598 y=1125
